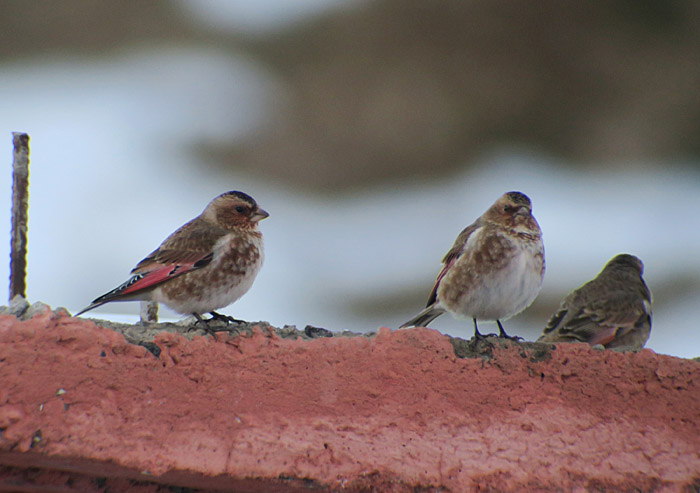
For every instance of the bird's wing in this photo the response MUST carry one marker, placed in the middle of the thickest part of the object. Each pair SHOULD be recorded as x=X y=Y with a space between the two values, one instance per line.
x=555 y=320
x=157 y=272
x=599 y=321
x=451 y=257
x=189 y=248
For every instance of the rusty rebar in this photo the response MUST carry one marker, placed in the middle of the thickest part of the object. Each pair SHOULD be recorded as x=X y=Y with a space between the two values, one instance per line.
x=20 y=206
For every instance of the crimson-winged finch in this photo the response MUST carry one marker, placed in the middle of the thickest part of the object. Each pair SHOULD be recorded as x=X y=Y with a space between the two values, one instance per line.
x=613 y=310
x=494 y=269
x=206 y=264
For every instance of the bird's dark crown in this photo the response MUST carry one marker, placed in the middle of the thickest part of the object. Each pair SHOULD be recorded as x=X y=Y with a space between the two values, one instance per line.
x=239 y=195
x=628 y=260
x=519 y=198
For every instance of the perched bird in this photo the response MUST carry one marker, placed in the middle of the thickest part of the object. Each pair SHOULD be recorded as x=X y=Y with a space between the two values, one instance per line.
x=614 y=309
x=494 y=269
x=206 y=264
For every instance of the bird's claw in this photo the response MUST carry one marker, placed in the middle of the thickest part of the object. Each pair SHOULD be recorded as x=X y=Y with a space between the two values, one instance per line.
x=502 y=333
x=512 y=338
x=225 y=318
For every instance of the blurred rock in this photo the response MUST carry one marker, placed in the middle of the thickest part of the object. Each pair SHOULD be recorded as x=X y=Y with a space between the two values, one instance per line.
x=37 y=308
x=21 y=309
x=390 y=90
x=28 y=29
x=397 y=90
x=18 y=306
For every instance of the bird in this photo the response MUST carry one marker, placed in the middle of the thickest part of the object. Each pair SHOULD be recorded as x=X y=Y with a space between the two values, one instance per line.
x=493 y=271
x=613 y=310
x=206 y=264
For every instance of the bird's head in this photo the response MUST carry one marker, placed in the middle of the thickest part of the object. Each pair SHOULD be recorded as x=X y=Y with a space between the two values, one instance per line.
x=512 y=209
x=626 y=260
x=234 y=210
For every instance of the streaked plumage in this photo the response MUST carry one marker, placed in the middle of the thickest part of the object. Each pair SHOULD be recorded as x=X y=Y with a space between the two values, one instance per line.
x=613 y=310
x=495 y=268
x=206 y=264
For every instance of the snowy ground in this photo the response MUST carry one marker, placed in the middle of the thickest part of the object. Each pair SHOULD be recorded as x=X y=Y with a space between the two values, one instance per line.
x=110 y=180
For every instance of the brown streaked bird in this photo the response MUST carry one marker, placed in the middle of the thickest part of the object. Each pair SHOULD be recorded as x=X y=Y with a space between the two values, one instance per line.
x=494 y=269
x=613 y=310
x=206 y=264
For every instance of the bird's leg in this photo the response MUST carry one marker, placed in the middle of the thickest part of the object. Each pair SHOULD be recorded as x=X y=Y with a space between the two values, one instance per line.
x=200 y=320
x=477 y=335
x=225 y=318
x=502 y=333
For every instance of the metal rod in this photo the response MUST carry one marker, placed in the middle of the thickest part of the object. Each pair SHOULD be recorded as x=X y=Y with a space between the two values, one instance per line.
x=20 y=205
x=149 y=312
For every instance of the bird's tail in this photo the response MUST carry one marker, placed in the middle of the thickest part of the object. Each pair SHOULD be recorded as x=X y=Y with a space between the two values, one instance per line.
x=425 y=317
x=114 y=295
x=117 y=294
x=92 y=305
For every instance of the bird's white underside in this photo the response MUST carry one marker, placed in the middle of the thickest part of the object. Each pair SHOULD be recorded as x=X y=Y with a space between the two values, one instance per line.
x=502 y=293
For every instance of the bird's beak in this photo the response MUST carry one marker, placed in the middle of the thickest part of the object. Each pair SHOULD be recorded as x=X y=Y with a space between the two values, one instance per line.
x=259 y=215
x=522 y=211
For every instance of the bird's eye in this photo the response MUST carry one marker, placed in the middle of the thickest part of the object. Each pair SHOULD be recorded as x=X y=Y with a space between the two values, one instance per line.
x=240 y=209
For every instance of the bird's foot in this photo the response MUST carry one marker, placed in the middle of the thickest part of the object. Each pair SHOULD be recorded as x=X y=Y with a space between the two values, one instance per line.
x=200 y=321
x=206 y=324
x=225 y=318
x=479 y=336
x=512 y=338
x=502 y=333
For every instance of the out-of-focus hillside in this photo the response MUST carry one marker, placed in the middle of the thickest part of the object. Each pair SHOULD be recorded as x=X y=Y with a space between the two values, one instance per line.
x=388 y=89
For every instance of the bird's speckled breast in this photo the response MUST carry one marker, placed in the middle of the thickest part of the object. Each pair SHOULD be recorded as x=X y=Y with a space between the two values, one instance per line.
x=498 y=275
x=236 y=262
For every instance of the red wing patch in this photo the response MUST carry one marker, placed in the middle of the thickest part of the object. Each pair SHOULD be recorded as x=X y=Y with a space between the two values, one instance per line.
x=604 y=336
x=145 y=280
x=433 y=293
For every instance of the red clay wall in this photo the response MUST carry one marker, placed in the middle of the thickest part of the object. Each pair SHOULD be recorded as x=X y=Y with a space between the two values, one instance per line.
x=391 y=412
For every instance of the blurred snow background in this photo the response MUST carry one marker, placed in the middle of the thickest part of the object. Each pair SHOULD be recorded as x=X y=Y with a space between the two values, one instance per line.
x=111 y=176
